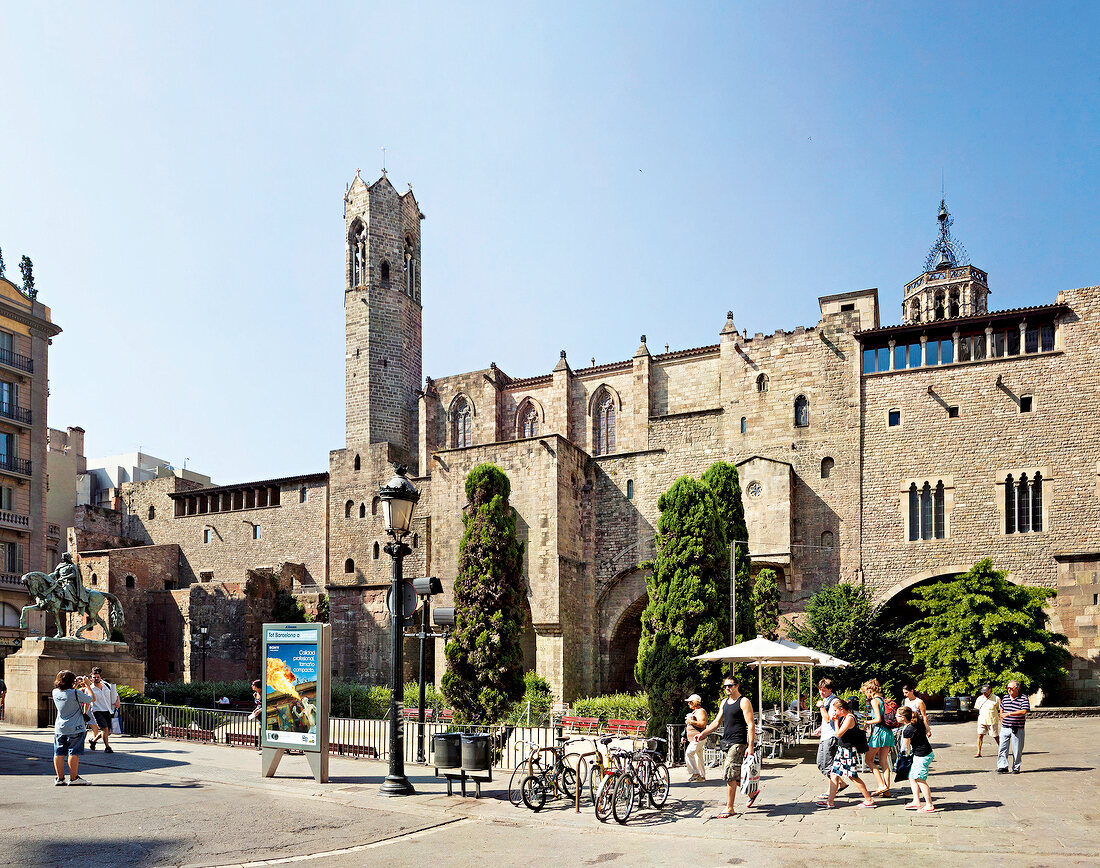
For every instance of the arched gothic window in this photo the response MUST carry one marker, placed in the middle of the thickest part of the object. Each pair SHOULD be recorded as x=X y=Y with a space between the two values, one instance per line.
x=349 y=566
x=362 y=510
x=926 y=511
x=827 y=539
x=744 y=424
x=410 y=267
x=914 y=310
x=347 y=509
x=801 y=412
x=953 y=303
x=827 y=465
x=152 y=512
x=357 y=242
x=937 y=307
x=357 y=462
x=384 y=270
x=1037 y=502
x=462 y=426
x=528 y=421
x=762 y=383
x=374 y=507
x=376 y=551
x=1023 y=505
x=1010 y=504
x=603 y=424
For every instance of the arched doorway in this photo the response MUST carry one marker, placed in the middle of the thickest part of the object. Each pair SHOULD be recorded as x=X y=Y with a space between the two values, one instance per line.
x=623 y=649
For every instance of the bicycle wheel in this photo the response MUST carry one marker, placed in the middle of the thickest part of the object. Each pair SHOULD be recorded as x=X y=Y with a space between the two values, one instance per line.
x=659 y=785
x=533 y=791
x=596 y=776
x=605 y=797
x=567 y=782
x=622 y=803
x=515 y=792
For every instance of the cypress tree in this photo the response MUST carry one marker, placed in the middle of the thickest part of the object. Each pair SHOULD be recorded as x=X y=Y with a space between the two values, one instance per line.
x=765 y=593
x=484 y=656
x=722 y=479
x=685 y=614
x=26 y=268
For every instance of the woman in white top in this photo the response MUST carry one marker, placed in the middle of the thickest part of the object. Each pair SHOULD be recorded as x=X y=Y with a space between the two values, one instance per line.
x=695 y=722
x=916 y=704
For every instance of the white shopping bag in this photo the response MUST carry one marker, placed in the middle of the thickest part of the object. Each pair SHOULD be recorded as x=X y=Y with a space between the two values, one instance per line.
x=750 y=775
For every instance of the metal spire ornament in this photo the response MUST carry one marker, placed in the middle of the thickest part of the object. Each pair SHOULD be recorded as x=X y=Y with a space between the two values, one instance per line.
x=946 y=252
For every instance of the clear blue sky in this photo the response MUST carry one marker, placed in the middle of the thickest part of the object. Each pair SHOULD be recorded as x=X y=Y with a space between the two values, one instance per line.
x=176 y=173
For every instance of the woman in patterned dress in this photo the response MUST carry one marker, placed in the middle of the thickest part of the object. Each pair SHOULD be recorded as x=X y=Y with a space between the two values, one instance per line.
x=852 y=742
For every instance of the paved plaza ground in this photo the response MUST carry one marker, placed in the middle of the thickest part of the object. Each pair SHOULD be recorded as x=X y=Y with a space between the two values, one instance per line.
x=173 y=803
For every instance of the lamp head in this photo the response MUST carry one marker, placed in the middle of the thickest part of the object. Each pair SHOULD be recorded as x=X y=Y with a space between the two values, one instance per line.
x=399 y=498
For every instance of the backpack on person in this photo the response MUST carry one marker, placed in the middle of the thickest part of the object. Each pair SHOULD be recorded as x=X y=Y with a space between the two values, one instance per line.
x=890 y=714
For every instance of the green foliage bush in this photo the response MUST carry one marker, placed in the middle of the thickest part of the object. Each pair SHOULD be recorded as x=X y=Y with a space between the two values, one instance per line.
x=685 y=614
x=982 y=629
x=613 y=706
x=841 y=620
x=484 y=676
x=537 y=692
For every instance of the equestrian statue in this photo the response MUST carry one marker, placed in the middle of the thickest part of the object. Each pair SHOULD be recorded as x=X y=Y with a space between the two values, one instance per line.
x=62 y=592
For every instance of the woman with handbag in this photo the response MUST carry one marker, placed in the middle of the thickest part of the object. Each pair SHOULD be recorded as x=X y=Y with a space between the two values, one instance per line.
x=915 y=737
x=69 y=729
x=853 y=742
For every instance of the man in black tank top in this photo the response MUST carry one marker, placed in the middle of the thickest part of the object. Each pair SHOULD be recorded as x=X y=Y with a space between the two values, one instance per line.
x=735 y=716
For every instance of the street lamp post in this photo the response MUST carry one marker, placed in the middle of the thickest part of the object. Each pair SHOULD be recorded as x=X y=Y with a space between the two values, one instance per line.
x=202 y=633
x=399 y=499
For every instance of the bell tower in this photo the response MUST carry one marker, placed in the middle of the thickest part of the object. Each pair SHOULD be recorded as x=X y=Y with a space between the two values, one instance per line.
x=382 y=316
x=950 y=287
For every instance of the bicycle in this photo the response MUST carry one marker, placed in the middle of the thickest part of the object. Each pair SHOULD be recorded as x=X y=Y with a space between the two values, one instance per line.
x=643 y=775
x=537 y=777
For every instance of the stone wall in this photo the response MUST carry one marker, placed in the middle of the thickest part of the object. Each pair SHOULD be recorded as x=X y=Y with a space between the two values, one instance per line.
x=1076 y=614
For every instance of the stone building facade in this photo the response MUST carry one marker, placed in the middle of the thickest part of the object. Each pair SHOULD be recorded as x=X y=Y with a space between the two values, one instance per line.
x=25 y=334
x=885 y=455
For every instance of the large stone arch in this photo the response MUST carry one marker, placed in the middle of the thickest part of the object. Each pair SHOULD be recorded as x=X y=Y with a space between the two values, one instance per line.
x=619 y=610
x=943 y=573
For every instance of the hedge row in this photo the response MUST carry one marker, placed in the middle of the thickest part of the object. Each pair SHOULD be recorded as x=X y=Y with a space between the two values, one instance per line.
x=613 y=706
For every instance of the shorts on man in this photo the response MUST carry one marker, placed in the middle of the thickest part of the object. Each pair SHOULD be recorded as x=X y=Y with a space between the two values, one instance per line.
x=68 y=745
x=731 y=770
x=986 y=729
x=103 y=719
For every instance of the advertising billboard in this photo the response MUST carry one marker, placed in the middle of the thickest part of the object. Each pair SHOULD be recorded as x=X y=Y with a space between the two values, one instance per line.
x=295 y=687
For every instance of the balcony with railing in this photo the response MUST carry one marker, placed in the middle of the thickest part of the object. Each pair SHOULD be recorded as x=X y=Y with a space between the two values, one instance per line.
x=14 y=520
x=11 y=579
x=12 y=359
x=20 y=415
x=53 y=531
x=18 y=466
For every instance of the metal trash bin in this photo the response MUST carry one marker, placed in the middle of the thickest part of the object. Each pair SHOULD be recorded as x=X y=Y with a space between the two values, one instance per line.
x=966 y=703
x=448 y=750
x=951 y=705
x=475 y=752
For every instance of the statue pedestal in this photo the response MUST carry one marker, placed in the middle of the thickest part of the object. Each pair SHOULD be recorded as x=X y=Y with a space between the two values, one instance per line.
x=30 y=673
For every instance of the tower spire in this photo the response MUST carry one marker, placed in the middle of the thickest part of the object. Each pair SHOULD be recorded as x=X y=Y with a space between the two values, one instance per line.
x=946 y=252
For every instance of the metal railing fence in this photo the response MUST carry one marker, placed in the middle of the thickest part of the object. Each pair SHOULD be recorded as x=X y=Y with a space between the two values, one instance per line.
x=510 y=745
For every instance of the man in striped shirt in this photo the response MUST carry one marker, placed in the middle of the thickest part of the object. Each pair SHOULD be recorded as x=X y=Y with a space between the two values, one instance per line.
x=1014 y=709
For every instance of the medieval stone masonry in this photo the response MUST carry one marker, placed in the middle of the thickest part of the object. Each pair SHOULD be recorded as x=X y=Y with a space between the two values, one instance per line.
x=885 y=455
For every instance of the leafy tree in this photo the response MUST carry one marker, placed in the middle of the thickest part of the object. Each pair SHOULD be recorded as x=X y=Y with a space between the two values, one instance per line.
x=685 y=615
x=841 y=620
x=484 y=657
x=982 y=629
x=26 y=268
x=722 y=479
x=287 y=609
x=765 y=598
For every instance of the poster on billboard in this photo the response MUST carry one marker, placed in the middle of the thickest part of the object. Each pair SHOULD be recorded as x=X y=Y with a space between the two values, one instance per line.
x=295 y=689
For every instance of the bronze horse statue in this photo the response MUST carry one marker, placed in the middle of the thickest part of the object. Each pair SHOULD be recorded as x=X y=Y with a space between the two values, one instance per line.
x=51 y=601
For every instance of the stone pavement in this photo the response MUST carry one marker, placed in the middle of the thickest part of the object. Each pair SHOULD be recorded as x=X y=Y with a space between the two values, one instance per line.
x=172 y=803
